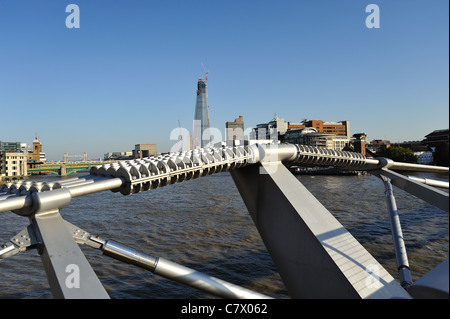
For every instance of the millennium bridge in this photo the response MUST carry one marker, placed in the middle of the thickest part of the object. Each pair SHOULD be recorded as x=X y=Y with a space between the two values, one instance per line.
x=309 y=246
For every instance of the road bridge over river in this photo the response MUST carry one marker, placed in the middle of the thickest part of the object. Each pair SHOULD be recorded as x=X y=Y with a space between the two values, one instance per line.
x=63 y=169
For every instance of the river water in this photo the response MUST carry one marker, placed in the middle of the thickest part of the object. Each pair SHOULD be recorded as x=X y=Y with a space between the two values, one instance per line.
x=204 y=224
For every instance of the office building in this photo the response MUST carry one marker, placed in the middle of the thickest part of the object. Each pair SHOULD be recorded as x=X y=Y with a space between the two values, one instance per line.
x=15 y=147
x=202 y=135
x=424 y=157
x=144 y=150
x=311 y=137
x=338 y=128
x=436 y=137
x=235 y=132
x=273 y=130
x=277 y=128
x=13 y=166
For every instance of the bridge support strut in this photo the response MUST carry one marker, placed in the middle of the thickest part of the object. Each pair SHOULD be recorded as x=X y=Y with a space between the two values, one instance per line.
x=314 y=254
x=397 y=236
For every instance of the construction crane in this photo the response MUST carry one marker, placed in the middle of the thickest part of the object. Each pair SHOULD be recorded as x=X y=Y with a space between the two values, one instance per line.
x=206 y=79
x=206 y=73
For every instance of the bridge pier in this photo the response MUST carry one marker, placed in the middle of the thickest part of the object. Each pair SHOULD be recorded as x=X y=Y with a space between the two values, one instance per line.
x=63 y=170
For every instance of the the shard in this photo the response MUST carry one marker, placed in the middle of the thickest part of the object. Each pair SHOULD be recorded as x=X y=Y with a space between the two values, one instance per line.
x=202 y=135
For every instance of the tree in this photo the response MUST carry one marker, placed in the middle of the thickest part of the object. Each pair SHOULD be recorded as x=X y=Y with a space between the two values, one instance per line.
x=399 y=154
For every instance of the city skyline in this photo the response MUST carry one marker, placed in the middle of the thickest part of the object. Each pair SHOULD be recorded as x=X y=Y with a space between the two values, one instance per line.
x=129 y=73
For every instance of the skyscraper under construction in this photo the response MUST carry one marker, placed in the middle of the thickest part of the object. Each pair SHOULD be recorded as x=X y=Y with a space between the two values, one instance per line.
x=202 y=135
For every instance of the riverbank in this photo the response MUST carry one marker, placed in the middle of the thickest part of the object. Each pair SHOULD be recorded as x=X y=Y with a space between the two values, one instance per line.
x=297 y=170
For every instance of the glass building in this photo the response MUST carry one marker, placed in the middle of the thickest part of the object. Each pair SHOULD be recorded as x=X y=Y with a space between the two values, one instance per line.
x=202 y=134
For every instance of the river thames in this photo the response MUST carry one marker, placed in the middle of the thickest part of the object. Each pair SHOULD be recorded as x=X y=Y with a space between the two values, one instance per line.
x=203 y=224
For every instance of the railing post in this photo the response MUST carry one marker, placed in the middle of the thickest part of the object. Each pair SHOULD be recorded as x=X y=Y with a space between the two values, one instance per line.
x=69 y=273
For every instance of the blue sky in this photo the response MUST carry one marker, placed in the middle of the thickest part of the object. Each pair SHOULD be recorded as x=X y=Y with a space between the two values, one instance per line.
x=129 y=73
